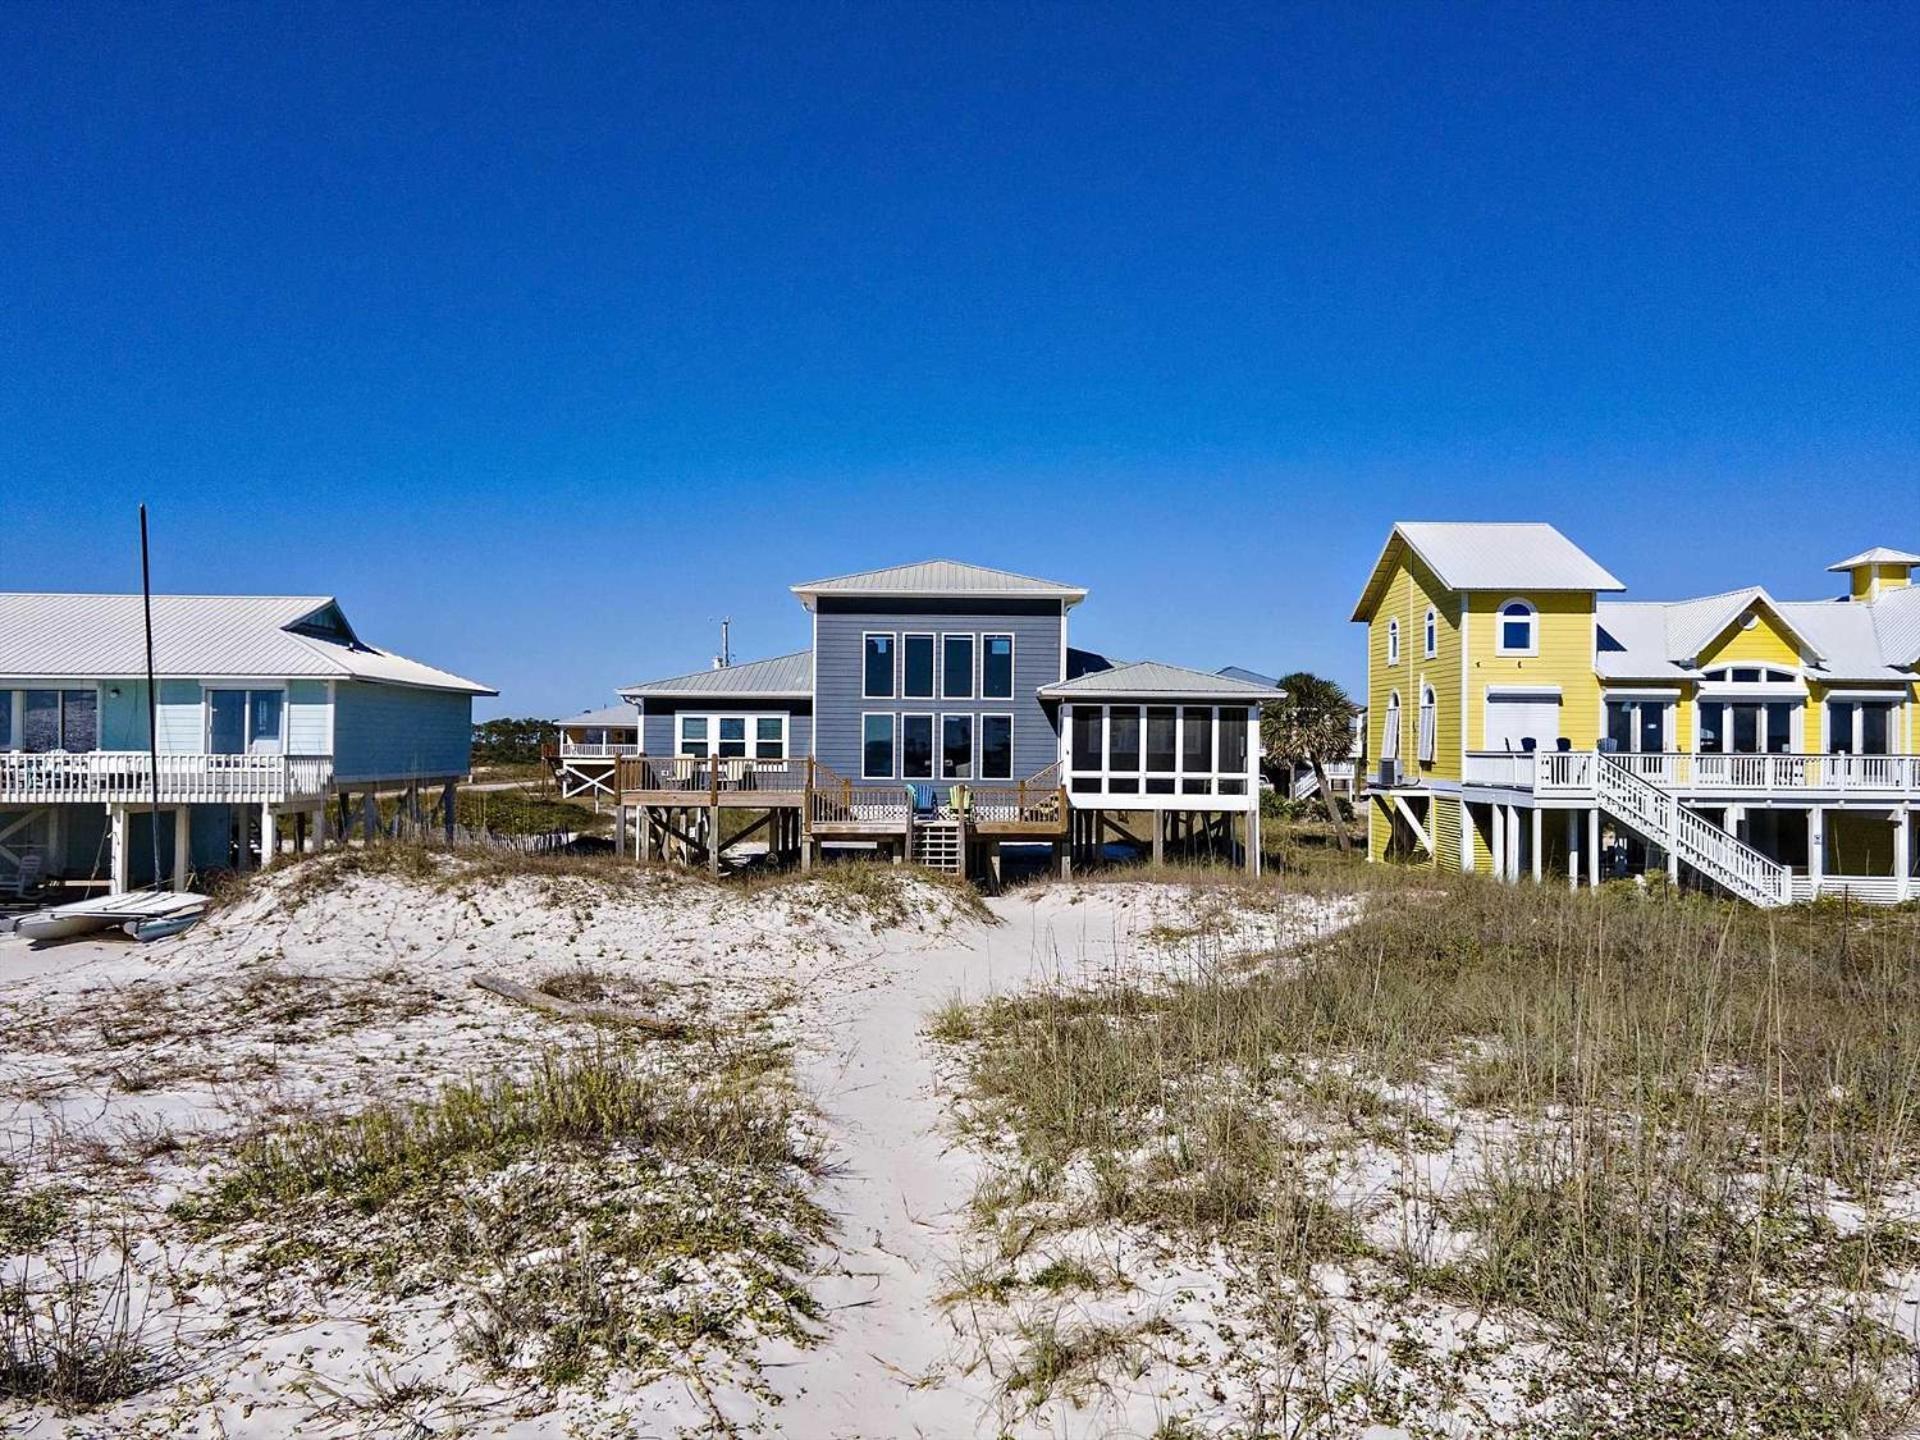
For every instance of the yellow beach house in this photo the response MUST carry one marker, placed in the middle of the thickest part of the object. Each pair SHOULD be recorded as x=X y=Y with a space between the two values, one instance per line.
x=1524 y=722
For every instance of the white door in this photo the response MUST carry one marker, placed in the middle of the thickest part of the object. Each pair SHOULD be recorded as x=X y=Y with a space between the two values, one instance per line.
x=1513 y=719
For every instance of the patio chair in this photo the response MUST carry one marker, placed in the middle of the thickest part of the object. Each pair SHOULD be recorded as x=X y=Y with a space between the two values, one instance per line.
x=920 y=797
x=27 y=880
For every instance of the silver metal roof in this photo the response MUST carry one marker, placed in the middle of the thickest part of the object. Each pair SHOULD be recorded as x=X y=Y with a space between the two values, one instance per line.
x=610 y=716
x=198 y=637
x=1896 y=624
x=1878 y=555
x=1474 y=555
x=1846 y=640
x=782 y=677
x=940 y=577
x=1252 y=677
x=1148 y=679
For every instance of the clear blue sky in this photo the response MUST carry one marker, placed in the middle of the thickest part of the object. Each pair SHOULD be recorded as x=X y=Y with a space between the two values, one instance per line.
x=545 y=337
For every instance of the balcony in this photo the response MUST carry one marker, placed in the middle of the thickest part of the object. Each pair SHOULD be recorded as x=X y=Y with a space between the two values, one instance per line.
x=125 y=777
x=596 y=749
x=1568 y=774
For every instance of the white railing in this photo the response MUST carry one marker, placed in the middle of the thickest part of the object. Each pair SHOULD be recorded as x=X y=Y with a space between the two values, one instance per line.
x=1572 y=772
x=1868 y=889
x=595 y=750
x=126 y=777
x=1661 y=818
x=1512 y=769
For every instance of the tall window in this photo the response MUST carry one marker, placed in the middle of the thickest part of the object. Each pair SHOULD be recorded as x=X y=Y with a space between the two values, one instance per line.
x=1746 y=727
x=1123 y=750
x=1637 y=726
x=956 y=667
x=956 y=747
x=1161 y=732
x=916 y=667
x=1393 y=642
x=1085 y=732
x=1233 y=751
x=877 y=672
x=1859 y=727
x=916 y=747
x=1427 y=739
x=876 y=747
x=996 y=667
x=1390 y=734
x=1430 y=634
x=996 y=747
x=1519 y=629
x=1196 y=749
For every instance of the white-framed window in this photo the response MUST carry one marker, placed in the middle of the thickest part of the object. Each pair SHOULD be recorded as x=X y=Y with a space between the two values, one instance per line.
x=876 y=746
x=876 y=665
x=1426 y=736
x=51 y=718
x=1430 y=634
x=996 y=667
x=1517 y=629
x=916 y=747
x=1393 y=642
x=1158 y=749
x=1638 y=724
x=761 y=736
x=1390 y=730
x=1751 y=675
x=956 y=746
x=996 y=747
x=956 y=667
x=917 y=666
x=245 y=722
x=1860 y=726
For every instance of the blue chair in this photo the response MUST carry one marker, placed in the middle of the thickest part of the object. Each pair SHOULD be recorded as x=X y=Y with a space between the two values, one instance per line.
x=922 y=798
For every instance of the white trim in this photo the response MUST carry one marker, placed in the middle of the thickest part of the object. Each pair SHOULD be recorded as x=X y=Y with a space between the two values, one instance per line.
x=246 y=688
x=893 y=664
x=1096 y=786
x=940 y=750
x=750 y=729
x=980 y=744
x=973 y=664
x=1013 y=664
x=1430 y=634
x=933 y=747
x=1500 y=619
x=893 y=743
x=1639 y=692
x=1393 y=640
x=1523 y=692
x=932 y=637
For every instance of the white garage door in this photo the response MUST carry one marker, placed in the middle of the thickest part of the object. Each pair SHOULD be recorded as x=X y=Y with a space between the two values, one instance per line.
x=1513 y=719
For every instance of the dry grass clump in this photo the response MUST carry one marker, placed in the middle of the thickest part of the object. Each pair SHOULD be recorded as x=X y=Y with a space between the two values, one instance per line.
x=611 y=1210
x=882 y=894
x=70 y=1333
x=1694 y=1134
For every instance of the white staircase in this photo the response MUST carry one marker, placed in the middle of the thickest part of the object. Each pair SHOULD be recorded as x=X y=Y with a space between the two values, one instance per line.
x=1729 y=862
x=937 y=845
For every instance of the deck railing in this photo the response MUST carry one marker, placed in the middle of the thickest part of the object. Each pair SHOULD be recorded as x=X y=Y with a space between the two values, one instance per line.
x=595 y=750
x=1572 y=772
x=833 y=799
x=692 y=775
x=126 y=777
x=1040 y=799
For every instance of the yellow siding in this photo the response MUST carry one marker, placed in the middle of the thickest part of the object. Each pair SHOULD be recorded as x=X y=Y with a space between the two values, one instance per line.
x=1871 y=580
x=1411 y=588
x=1683 y=717
x=1566 y=638
x=1766 y=644
x=1379 y=829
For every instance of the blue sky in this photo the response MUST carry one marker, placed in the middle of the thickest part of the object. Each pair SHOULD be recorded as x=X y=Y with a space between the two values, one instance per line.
x=544 y=337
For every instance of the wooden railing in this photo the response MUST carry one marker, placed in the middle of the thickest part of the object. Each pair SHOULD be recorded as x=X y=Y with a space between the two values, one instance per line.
x=692 y=775
x=1040 y=799
x=126 y=777
x=833 y=799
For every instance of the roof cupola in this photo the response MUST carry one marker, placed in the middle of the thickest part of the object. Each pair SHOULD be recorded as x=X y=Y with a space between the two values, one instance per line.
x=1873 y=572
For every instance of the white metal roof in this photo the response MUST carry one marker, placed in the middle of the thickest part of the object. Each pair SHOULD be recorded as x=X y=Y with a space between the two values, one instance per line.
x=609 y=716
x=1148 y=679
x=1878 y=555
x=199 y=637
x=940 y=577
x=780 y=677
x=1486 y=555
x=1652 y=640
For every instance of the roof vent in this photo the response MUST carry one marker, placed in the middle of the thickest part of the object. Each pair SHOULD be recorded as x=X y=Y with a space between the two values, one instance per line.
x=1873 y=572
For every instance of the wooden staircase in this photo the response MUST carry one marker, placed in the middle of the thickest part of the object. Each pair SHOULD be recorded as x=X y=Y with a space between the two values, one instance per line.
x=938 y=845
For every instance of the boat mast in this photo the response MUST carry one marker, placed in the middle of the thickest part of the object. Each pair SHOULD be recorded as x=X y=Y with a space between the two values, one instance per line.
x=153 y=703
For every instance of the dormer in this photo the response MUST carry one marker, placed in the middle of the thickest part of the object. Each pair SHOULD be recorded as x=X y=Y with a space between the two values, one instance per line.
x=1873 y=572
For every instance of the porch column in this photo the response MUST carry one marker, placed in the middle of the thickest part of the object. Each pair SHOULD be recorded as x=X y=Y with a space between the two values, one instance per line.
x=449 y=808
x=1515 y=859
x=1253 y=840
x=120 y=856
x=619 y=832
x=1673 y=867
x=1816 y=847
x=713 y=841
x=182 y=845
x=1498 y=831
x=1573 y=849
x=1159 y=835
x=1538 y=848
x=1902 y=852
x=369 y=815
x=1593 y=847
x=320 y=827
x=269 y=835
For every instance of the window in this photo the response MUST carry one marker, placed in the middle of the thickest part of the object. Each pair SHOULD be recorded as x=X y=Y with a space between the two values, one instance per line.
x=876 y=681
x=956 y=667
x=1746 y=728
x=244 y=722
x=770 y=737
x=1425 y=739
x=996 y=747
x=6 y=719
x=1123 y=750
x=1390 y=735
x=1859 y=727
x=1519 y=629
x=1161 y=732
x=916 y=741
x=58 y=720
x=1085 y=731
x=1430 y=634
x=1637 y=725
x=693 y=736
x=1750 y=675
x=916 y=661
x=996 y=667
x=1196 y=749
x=956 y=746
x=1393 y=642
x=733 y=737
x=1234 y=728
x=876 y=747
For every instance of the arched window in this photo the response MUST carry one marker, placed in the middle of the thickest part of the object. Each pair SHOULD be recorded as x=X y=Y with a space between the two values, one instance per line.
x=1429 y=723
x=1390 y=732
x=1430 y=642
x=1519 y=632
x=1393 y=642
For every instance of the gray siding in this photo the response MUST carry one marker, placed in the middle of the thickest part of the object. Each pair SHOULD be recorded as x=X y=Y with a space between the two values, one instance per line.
x=657 y=735
x=839 y=623
x=391 y=732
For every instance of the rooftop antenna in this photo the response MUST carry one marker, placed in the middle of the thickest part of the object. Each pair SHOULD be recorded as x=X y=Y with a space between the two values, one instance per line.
x=725 y=657
x=153 y=704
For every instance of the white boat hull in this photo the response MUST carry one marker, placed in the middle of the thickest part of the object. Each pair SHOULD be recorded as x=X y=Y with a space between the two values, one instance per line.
x=81 y=917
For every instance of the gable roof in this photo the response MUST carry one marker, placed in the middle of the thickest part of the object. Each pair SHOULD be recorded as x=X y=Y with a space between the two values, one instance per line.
x=1650 y=640
x=779 y=677
x=937 y=578
x=1151 y=678
x=613 y=716
x=200 y=637
x=1878 y=555
x=1252 y=677
x=1488 y=555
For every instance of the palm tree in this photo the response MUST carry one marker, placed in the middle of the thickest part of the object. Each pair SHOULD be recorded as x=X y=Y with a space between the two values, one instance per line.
x=1312 y=725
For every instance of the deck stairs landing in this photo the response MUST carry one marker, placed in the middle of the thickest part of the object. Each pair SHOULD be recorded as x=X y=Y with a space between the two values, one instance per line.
x=937 y=845
x=1658 y=816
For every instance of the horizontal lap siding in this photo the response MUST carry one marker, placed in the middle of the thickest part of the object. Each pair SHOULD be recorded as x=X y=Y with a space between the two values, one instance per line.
x=839 y=624
x=657 y=727
x=307 y=718
x=392 y=732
